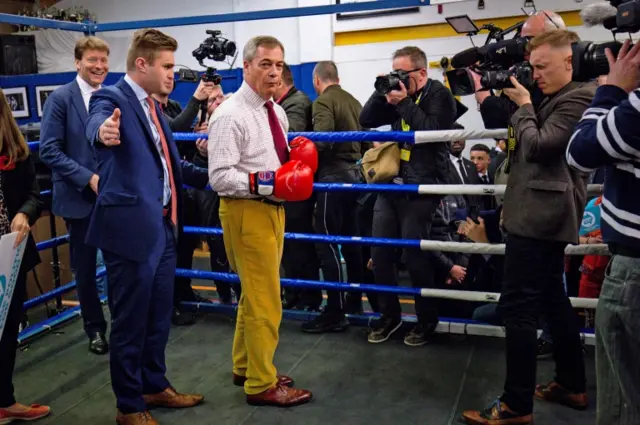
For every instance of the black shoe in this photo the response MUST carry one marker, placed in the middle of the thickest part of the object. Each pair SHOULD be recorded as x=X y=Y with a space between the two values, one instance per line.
x=420 y=335
x=383 y=330
x=544 y=349
x=326 y=322
x=182 y=318
x=98 y=343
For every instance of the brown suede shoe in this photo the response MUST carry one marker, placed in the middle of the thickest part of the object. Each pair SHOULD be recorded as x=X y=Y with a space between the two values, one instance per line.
x=239 y=381
x=555 y=393
x=172 y=399
x=497 y=413
x=139 y=418
x=280 y=396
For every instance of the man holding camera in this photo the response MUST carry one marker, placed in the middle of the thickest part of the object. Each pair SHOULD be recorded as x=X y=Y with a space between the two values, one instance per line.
x=607 y=137
x=415 y=103
x=543 y=208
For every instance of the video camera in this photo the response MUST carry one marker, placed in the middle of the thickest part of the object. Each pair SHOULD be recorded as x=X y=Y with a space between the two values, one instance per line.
x=215 y=48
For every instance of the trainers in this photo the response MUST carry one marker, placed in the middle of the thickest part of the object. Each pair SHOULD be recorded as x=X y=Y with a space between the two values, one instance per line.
x=326 y=322
x=555 y=393
x=419 y=335
x=497 y=413
x=386 y=327
x=544 y=349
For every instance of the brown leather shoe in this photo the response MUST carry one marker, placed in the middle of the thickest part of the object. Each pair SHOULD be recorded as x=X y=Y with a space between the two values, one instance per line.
x=280 y=396
x=239 y=381
x=555 y=393
x=172 y=399
x=139 y=418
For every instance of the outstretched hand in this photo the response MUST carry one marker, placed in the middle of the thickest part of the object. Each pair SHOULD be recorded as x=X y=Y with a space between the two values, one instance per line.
x=109 y=132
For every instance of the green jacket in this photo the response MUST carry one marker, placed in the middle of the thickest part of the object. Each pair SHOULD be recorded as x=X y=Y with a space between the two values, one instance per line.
x=297 y=106
x=337 y=110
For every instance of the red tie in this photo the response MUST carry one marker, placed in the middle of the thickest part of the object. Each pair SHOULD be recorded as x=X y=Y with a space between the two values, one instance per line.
x=279 y=140
x=165 y=149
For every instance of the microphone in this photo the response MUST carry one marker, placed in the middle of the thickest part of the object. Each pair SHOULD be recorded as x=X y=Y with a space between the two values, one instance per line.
x=466 y=58
x=599 y=14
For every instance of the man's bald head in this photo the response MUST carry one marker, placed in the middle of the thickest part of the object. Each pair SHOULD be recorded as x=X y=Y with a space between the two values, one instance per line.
x=542 y=21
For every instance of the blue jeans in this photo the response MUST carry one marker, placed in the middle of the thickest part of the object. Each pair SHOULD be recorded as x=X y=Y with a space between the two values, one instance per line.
x=618 y=344
x=487 y=313
x=101 y=282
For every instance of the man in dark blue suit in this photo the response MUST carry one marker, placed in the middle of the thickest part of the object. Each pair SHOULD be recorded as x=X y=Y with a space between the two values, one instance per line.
x=136 y=223
x=65 y=150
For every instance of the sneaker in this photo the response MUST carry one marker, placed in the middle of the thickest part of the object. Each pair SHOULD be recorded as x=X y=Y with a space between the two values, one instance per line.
x=386 y=327
x=555 y=393
x=326 y=322
x=497 y=413
x=544 y=349
x=418 y=336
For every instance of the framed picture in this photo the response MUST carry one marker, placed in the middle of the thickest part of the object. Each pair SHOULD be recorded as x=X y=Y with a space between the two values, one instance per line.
x=373 y=13
x=42 y=93
x=18 y=101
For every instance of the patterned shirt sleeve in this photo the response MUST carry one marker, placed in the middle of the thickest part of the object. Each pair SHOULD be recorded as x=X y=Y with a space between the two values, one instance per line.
x=225 y=147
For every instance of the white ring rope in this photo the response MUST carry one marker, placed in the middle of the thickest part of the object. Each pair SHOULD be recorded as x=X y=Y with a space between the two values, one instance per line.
x=453 y=135
x=479 y=189
x=499 y=249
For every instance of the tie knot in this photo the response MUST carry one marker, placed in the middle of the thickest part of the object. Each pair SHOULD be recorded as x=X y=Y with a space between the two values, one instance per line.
x=269 y=105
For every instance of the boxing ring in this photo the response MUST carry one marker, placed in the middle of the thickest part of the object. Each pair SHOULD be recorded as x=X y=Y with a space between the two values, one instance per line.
x=462 y=326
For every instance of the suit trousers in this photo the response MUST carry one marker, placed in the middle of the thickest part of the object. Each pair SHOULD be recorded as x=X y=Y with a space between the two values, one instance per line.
x=83 y=263
x=141 y=301
x=9 y=341
x=254 y=240
x=533 y=285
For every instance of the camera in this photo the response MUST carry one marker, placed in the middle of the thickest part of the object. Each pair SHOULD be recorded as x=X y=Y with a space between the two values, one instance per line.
x=386 y=83
x=215 y=48
x=211 y=77
x=501 y=79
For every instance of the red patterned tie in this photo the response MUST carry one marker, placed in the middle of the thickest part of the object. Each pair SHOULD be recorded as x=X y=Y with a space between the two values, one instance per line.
x=167 y=157
x=279 y=140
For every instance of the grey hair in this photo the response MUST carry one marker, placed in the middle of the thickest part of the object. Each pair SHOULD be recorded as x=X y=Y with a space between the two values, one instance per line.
x=251 y=48
x=326 y=71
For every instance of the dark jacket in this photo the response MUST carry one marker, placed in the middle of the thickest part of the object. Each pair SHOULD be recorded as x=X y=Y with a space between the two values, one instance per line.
x=444 y=228
x=297 y=106
x=429 y=162
x=22 y=195
x=337 y=110
x=545 y=198
x=496 y=110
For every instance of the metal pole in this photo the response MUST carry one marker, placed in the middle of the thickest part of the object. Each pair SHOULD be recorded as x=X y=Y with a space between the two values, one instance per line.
x=55 y=263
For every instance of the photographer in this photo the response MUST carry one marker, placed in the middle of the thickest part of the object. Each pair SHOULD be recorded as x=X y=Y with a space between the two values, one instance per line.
x=417 y=104
x=496 y=110
x=607 y=136
x=543 y=208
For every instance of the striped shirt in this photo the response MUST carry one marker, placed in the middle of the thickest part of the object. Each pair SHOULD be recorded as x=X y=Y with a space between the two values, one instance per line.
x=607 y=136
x=240 y=142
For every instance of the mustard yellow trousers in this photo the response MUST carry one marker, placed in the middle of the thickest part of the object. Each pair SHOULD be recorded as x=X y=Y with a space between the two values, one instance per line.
x=253 y=234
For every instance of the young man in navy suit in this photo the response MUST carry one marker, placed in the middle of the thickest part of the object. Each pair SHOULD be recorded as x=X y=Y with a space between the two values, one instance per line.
x=64 y=149
x=136 y=223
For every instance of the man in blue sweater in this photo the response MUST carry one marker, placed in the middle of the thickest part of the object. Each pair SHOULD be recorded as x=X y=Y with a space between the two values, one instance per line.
x=607 y=136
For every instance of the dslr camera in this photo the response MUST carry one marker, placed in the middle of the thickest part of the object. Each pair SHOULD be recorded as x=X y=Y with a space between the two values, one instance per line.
x=215 y=48
x=386 y=83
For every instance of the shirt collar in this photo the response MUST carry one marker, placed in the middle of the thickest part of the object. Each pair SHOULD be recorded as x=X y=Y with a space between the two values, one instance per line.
x=140 y=93
x=252 y=98
x=85 y=88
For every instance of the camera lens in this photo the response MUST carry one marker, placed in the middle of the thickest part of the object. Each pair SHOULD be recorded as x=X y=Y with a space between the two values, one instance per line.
x=383 y=85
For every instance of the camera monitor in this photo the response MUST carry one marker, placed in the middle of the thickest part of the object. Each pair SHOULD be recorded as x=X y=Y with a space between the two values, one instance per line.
x=463 y=24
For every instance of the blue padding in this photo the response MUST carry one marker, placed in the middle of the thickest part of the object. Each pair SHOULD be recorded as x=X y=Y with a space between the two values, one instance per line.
x=41 y=299
x=299 y=283
x=336 y=137
x=309 y=237
x=50 y=243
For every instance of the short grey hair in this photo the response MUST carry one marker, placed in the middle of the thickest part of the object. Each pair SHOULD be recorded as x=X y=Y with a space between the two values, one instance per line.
x=326 y=71
x=251 y=48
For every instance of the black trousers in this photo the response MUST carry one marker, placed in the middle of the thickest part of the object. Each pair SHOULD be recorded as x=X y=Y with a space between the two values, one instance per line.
x=299 y=258
x=532 y=285
x=9 y=341
x=407 y=217
x=337 y=214
x=83 y=263
x=201 y=209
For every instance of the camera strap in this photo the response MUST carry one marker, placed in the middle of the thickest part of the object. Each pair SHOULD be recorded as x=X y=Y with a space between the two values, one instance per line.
x=511 y=147
x=405 y=151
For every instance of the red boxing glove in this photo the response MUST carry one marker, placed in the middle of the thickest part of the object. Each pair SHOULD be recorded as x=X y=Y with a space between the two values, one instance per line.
x=291 y=182
x=303 y=150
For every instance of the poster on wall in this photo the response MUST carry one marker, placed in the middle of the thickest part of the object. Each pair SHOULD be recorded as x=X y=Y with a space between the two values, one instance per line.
x=10 y=260
x=373 y=13
x=42 y=93
x=18 y=101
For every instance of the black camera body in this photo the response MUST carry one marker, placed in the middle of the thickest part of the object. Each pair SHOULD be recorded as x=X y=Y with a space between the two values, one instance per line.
x=387 y=83
x=627 y=18
x=215 y=48
x=501 y=79
x=212 y=77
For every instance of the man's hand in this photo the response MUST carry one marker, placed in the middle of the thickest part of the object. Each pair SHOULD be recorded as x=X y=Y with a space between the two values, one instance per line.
x=109 y=132
x=201 y=128
x=624 y=72
x=457 y=273
x=473 y=231
x=203 y=91
x=395 y=96
x=519 y=94
x=201 y=144
x=20 y=224
x=93 y=183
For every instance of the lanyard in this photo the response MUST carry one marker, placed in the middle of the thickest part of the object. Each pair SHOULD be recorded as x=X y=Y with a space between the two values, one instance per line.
x=405 y=126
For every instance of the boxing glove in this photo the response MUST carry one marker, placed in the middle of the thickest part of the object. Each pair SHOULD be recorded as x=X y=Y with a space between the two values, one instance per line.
x=303 y=149
x=291 y=182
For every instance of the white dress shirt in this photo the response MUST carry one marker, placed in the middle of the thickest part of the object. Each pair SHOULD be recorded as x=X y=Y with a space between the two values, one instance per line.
x=240 y=142
x=142 y=96
x=457 y=164
x=86 y=90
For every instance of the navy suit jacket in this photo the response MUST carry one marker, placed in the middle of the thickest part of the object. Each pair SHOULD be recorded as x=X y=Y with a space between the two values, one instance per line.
x=66 y=151
x=127 y=219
